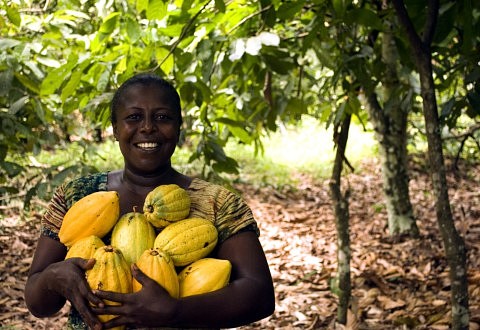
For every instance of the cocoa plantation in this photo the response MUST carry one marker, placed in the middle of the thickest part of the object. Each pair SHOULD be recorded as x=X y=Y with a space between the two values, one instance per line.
x=350 y=128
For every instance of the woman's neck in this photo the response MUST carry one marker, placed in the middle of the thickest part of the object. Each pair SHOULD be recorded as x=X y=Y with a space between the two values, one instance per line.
x=140 y=183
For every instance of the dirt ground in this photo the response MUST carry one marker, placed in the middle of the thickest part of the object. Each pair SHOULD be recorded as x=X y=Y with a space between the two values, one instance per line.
x=401 y=285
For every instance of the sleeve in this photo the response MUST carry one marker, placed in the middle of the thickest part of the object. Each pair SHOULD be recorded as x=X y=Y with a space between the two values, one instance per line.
x=233 y=216
x=53 y=217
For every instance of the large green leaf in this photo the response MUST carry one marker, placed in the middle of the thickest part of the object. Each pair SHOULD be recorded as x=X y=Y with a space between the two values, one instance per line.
x=13 y=14
x=157 y=9
x=109 y=23
x=364 y=17
x=289 y=9
x=56 y=77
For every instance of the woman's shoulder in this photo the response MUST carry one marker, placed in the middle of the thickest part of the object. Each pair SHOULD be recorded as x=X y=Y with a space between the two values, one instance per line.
x=82 y=186
x=200 y=184
x=94 y=181
x=201 y=187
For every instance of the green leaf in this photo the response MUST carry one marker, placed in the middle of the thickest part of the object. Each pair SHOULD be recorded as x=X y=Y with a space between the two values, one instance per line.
x=56 y=77
x=27 y=82
x=6 y=79
x=447 y=108
x=340 y=6
x=3 y=152
x=61 y=176
x=13 y=14
x=474 y=100
x=295 y=106
x=12 y=169
x=133 y=29
x=282 y=64
x=141 y=5
x=39 y=110
x=229 y=165
x=157 y=9
x=220 y=5
x=237 y=128
x=288 y=10
x=109 y=23
x=166 y=63
x=214 y=151
x=103 y=79
x=18 y=105
x=365 y=18
x=8 y=43
x=74 y=80
x=172 y=30
x=241 y=134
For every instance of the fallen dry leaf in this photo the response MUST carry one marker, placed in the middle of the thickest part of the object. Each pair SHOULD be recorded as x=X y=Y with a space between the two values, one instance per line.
x=396 y=286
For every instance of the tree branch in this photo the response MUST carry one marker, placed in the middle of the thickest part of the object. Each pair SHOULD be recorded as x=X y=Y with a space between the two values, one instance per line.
x=431 y=22
x=182 y=34
x=402 y=14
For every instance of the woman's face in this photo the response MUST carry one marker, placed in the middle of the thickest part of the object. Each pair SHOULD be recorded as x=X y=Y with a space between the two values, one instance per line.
x=147 y=128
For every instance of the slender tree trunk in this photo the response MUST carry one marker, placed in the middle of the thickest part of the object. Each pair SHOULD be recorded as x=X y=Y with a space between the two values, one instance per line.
x=390 y=124
x=452 y=241
x=342 y=217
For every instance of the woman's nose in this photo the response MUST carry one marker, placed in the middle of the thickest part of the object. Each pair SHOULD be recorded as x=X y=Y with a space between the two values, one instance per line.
x=147 y=125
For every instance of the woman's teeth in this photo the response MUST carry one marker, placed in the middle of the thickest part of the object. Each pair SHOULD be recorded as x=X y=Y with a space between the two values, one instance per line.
x=147 y=145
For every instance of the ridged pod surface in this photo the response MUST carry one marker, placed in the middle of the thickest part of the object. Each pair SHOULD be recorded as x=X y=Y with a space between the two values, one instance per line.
x=204 y=275
x=158 y=265
x=187 y=240
x=166 y=204
x=85 y=247
x=133 y=234
x=94 y=214
x=110 y=273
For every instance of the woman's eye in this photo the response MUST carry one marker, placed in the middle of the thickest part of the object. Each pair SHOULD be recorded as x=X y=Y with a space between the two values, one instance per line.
x=133 y=117
x=162 y=117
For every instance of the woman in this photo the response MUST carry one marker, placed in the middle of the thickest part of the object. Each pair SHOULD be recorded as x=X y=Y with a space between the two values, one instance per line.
x=146 y=119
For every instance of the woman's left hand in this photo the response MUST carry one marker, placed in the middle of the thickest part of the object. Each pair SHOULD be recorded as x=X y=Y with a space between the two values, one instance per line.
x=151 y=306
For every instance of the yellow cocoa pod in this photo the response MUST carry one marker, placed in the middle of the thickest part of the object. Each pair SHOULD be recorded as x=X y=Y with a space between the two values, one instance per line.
x=85 y=247
x=133 y=234
x=111 y=272
x=158 y=265
x=204 y=275
x=94 y=214
x=187 y=240
x=166 y=204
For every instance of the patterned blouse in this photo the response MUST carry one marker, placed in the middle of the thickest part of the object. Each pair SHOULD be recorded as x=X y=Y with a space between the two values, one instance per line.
x=228 y=212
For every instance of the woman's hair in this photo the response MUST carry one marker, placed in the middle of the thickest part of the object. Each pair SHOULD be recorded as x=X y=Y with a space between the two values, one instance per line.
x=146 y=79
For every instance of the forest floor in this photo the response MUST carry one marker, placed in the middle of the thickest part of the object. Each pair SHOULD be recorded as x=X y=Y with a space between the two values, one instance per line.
x=395 y=285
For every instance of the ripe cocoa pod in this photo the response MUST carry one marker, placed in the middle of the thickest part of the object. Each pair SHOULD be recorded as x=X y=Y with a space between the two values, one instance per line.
x=85 y=247
x=111 y=272
x=166 y=204
x=94 y=214
x=187 y=240
x=204 y=275
x=158 y=265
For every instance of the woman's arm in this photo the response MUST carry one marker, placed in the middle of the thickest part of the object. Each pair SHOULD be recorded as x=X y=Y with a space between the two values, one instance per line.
x=53 y=280
x=249 y=296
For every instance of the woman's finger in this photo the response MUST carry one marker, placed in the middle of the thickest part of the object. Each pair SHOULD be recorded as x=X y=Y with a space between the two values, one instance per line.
x=110 y=295
x=139 y=275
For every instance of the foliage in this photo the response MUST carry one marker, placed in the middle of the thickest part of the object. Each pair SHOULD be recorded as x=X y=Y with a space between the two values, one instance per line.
x=241 y=67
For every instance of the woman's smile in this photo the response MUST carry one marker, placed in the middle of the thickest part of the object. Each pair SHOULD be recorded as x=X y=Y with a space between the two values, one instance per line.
x=147 y=146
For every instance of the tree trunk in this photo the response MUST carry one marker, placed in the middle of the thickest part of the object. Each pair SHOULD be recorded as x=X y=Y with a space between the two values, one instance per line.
x=342 y=217
x=452 y=241
x=390 y=124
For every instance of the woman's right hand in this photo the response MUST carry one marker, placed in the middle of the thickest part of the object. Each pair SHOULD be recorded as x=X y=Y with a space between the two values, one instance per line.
x=68 y=280
x=53 y=280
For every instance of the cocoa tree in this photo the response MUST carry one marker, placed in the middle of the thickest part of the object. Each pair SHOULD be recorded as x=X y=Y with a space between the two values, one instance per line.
x=240 y=67
x=453 y=243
